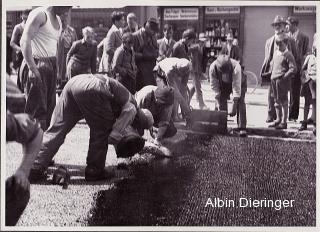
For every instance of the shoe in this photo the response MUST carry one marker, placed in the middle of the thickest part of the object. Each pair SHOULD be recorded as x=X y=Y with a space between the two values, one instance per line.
x=269 y=120
x=37 y=175
x=94 y=174
x=281 y=126
x=292 y=119
x=303 y=126
x=309 y=121
x=274 y=124
x=243 y=133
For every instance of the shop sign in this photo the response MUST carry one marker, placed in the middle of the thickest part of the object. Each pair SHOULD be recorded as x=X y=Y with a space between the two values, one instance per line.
x=222 y=10
x=181 y=14
x=304 y=9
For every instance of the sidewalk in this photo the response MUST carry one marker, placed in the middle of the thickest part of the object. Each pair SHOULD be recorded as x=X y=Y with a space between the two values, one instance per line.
x=256 y=105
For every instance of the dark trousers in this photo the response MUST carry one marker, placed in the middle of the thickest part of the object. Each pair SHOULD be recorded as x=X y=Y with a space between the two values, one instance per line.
x=16 y=201
x=271 y=110
x=241 y=108
x=128 y=82
x=295 y=97
x=74 y=68
x=40 y=98
x=75 y=104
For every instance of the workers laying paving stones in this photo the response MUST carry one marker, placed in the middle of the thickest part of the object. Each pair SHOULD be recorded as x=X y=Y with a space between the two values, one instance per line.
x=226 y=78
x=177 y=72
x=23 y=129
x=159 y=100
x=111 y=113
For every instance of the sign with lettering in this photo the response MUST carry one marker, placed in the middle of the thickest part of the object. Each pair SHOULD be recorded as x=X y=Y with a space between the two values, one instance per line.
x=304 y=9
x=222 y=10
x=181 y=14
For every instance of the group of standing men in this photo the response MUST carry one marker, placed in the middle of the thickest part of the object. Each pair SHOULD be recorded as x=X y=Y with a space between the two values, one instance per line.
x=285 y=68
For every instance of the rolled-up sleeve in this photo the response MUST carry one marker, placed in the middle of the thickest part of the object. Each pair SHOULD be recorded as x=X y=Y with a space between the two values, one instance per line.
x=21 y=128
x=236 y=79
x=214 y=82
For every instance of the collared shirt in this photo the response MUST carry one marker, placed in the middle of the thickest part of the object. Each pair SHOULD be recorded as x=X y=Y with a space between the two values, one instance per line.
x=84 y=53
x=123 y=60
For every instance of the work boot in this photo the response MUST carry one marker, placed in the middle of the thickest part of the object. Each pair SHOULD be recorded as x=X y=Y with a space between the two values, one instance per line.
x=279 y=117
x=243 y=133
x=303 y=126
x=95 y=174
x=269 y=119
x=37 y=174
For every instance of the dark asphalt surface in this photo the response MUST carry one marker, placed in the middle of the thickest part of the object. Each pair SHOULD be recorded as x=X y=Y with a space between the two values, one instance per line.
x=173 y=192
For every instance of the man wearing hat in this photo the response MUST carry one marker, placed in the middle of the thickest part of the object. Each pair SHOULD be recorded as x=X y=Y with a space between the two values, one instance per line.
x=177 y=71
x=159 y=100
x=226 y=78
x=270 y=47
x=146 y=52
x=108 y=108
x=302 y=43
x=166 y=43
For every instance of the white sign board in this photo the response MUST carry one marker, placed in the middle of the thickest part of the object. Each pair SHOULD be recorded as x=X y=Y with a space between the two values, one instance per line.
x=181 y=14
x=222 y=10
x=304 y=9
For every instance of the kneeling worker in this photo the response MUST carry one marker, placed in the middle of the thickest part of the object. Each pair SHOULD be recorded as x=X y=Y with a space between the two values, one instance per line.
x=159 y=100
x=226 y=78
x=108 y=108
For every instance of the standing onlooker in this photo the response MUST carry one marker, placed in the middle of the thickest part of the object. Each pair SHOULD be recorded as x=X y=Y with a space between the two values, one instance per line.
x=133 y=25
x=196 y=56
x=181 y=47
x=225 y=78
x=166 y=43
x=124 y=64
x=68 y=36
x=284 y=69
x=146 y=52
x=270 y=48
x=112 y=41
x=233 y=50
x=310 y=68
x=15 y=44
x=302 y=43
x=82 y=56
x=38 y=69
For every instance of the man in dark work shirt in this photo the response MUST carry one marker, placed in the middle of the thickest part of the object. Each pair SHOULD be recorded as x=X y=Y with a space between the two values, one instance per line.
x=180 y=48
x=82 y=56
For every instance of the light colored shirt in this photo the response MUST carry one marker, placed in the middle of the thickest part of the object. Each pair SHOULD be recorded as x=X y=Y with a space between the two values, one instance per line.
x=44 y=44
x=236 y=79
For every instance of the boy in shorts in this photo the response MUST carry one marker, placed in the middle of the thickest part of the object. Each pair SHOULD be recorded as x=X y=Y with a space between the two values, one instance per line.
x=284 y=68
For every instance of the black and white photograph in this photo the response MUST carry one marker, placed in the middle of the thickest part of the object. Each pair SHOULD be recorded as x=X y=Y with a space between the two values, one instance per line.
x=159 y=115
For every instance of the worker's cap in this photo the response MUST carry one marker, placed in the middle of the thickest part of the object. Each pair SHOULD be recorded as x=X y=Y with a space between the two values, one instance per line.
x=292 y=20
x=164 y=96
x=183 y=65
x=278 y=20
x=144 y=118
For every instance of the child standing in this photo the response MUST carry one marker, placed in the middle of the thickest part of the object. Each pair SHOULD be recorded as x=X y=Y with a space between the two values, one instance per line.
x=284 y=68
x=309 y=67
x=123 y=63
